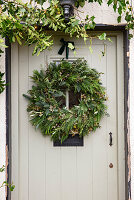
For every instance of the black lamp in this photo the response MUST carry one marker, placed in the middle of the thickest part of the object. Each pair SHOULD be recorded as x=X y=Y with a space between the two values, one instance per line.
x=68 y=6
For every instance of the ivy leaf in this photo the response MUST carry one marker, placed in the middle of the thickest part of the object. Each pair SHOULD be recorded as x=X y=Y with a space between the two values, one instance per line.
x=90 y=49
x=119 y=19
x=11 y=187
x=40 y=1
x=128 y=17
x=1 y=52
x=102 y=36
x=19 y=1
x=110 y=2
x=71 y=46
x=13 y=39
x=120 y=10
x=18 y=40
x=82 y=3
x=130 y=36
x=75 y=23
x=74 y=53
x=109 y=39
x=114 y=7
x=2 y=169
x=92 y=18
x=3 y=45
x=29 y=6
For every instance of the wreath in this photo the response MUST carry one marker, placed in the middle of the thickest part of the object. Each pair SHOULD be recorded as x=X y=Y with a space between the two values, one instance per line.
x=47 y=100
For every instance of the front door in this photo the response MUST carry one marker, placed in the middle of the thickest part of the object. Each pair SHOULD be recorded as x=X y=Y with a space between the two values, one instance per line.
x=94 y=171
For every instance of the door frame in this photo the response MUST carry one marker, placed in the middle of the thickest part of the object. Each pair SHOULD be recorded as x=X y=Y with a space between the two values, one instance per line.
x=101 y=28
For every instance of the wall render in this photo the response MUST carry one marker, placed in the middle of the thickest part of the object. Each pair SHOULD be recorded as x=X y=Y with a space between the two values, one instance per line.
x=2 y=131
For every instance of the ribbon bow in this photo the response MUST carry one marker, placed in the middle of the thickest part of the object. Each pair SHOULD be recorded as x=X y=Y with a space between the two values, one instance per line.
x=65 y=45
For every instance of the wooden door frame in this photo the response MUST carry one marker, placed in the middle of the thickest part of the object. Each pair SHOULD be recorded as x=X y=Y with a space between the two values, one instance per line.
x=102 y=28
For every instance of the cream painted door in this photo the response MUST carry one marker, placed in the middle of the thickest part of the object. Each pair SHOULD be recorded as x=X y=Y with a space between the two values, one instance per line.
x=41 y=171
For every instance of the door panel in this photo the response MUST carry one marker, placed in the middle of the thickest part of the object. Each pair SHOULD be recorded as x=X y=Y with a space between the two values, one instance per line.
x=41 y=171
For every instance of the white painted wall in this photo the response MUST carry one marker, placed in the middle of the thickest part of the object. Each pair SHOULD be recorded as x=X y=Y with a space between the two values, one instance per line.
x=104 y=15
x=2 y=132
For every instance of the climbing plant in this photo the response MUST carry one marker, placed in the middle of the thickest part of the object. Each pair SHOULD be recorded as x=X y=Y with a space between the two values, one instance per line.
x=5 y=183
x=28 y=24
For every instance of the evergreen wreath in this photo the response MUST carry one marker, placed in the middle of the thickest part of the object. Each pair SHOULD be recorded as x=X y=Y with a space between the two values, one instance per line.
x=46 y=106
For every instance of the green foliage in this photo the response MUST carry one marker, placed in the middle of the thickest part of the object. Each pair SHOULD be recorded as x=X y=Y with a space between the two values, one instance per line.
x=102 y=36
x=41 y=1
x=5 y=183
x=45 y=106
x=28 y=25
x=2 y=45
x=122 y=7
x=2 y=169
x=2 y=83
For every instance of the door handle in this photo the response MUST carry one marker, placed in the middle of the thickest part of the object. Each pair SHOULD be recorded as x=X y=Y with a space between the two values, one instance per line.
x=111 y=139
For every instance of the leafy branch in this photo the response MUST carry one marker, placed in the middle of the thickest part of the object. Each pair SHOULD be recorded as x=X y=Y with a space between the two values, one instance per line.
x=119 y=6
x=26 y=24
x=5 y=183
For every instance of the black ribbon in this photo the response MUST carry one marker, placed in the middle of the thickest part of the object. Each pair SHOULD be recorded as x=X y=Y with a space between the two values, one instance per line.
x=65 y=45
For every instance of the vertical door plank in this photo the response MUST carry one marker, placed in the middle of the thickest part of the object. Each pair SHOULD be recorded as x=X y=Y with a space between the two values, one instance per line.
x=53 y=169
x=23 y=124
x=99 y=151
x=53 y=155
x=15 y=122
x=36 y=143
x=112 y=121
x=84 y=154
x=85 y=169
x=121 y=145
x=68 y=173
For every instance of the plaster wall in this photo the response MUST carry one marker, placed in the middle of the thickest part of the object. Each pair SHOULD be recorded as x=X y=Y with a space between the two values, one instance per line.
x=2 y=132
x=104 y=15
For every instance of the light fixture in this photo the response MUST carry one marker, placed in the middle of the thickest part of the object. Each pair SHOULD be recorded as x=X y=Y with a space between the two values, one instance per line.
x=68 y=6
